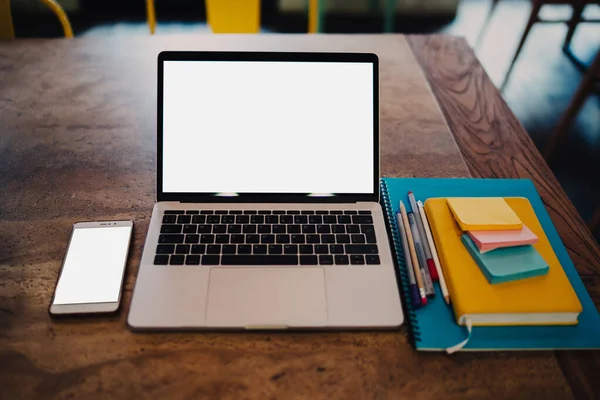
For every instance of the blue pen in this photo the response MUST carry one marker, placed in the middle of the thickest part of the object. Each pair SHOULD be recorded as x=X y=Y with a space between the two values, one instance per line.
x=414 y=290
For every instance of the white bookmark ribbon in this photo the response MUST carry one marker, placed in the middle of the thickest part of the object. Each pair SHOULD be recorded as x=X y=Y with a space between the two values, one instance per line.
x=462 y=344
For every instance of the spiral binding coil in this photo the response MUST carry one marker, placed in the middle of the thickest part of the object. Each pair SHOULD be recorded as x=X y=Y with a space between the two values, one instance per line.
x=391 y=223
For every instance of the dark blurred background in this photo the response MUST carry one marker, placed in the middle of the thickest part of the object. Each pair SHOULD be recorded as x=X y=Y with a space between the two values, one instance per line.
x=541 y=85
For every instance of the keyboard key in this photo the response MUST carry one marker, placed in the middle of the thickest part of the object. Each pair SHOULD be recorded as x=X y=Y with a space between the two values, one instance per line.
x=298 y=239
x=189 y=228
x=353 y=228
x=279 y=229
x=329 y=219
x=177 y=259
x=163 y=239
x=219 y=229
x=213 y=219
x=372 y=259
x=367 y=228
x=184 y=219
x=357 y=259
x=350 y=212
x=182 y=249
x=192 y=212
x=199 y=249
x=293 y=212
x=169 y=219
x=257 y=219
x=259 y=260
x=342 y=260
x=234 y=229
x=221 y=212
x=272 y=219
x=228 y=219
x=344 y=219
x=278 y=212
x=338 y=229
x=342 y=239
x=192 y=239
x=264 y=212
x=213 y=249
x=228 y=249
x=308 y=260
x=204 y=228
x=199 y=219
x=290 y=249
x=275 y=249
x=235 y=212
x=168 y=212
x=252 y=238
x=365 y=212
x=170 y=228
x=161 y=259
x=286 y=219
x=335 y=212
x=210 y=260
x=206 y=212
x=324 y=228
x=222 y=239
x=357 y=238
x=313 y=239
x=267 y=239
x=336 y=249
x=370 y=236
x=237 y=239
x=207 y=238
x=293 y=229
x=308 y=229
x=244 y=249
x=321 y=249
x=361 y=249
x=192 y=260
x=165 y=249
x=315 y=219
x=282 y=238
x=264 y=229
x=362 y=219
x=306 y=249
x=325 y=260
x=307 y=212
x=248 y=212
x=249 y=229
x=300 y=219
x=327 y=238
x=322 y=212
x=242 y=219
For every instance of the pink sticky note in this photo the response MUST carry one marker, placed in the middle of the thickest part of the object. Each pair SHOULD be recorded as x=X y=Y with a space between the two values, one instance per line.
x=490 y=240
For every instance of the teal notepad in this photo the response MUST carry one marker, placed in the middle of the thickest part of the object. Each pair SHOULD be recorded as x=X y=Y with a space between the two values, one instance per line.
x=434 y=327
x=508 y=263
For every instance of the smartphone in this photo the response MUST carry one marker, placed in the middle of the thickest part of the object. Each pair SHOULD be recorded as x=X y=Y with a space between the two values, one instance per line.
x=92 y=272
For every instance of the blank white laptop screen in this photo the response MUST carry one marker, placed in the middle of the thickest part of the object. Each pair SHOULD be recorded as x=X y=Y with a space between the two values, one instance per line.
x=267 y=127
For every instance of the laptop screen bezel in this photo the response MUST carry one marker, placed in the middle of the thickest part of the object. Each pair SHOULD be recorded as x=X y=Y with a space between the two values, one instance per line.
x=267 y=197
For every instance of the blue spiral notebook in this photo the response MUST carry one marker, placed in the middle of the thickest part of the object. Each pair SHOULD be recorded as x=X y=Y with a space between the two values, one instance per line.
x=434 y=327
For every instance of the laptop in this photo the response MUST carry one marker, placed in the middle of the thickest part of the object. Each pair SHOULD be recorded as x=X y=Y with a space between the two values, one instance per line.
x=267 y=213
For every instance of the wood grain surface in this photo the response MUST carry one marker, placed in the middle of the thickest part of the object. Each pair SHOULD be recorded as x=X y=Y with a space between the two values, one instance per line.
x=495 y=145
x=77 y=142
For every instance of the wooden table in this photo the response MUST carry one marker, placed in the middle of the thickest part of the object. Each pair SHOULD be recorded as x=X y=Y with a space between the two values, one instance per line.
x=77 y=142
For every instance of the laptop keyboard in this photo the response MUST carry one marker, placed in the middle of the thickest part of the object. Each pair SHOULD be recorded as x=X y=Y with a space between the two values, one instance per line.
x=276 y=237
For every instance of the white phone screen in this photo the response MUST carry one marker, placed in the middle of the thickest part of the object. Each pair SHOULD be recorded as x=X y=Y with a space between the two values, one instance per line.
x=93 y=268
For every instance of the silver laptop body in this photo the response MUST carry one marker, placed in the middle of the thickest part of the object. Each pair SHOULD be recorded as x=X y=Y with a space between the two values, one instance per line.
x=267 y=213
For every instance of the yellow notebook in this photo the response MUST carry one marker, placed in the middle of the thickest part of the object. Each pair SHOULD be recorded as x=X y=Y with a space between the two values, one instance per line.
x=483 y=214
x=542 y=300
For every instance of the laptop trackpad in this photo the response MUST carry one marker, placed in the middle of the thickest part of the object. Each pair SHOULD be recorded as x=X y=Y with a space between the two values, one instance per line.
x=266 y=297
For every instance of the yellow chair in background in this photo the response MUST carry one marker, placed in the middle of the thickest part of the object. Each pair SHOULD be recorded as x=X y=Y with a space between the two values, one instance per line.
x=6 y=25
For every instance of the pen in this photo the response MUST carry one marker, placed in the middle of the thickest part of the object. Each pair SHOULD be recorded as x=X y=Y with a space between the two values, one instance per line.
x=414 y=290
x=421 y=229
x=421 y=255
x=434 y=253
x=413 y=255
